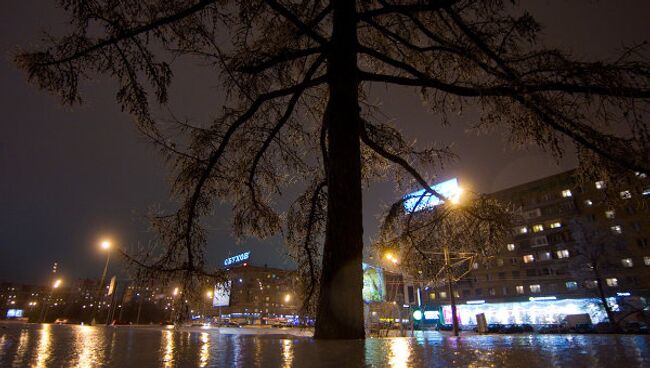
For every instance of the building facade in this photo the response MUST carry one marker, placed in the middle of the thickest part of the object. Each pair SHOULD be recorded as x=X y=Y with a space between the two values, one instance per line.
x=547 y=269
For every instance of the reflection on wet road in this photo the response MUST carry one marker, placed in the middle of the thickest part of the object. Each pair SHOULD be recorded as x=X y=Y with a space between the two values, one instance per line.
x=27 y=345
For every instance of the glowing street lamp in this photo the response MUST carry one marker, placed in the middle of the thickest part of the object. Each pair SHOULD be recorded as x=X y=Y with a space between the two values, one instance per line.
x=389 y=256
x=287 y=298
x=57 y=283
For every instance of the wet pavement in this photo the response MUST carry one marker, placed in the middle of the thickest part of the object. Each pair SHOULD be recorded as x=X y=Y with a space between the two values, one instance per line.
x=33 y=345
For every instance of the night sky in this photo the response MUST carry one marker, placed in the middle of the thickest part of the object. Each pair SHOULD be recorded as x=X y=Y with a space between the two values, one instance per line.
x=72 y=176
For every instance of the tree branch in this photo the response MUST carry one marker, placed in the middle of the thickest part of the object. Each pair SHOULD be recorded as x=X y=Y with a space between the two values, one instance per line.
x=129 y=33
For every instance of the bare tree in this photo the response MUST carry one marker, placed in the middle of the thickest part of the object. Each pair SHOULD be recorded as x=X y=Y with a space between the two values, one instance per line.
x=595 y=249
x=297 y=75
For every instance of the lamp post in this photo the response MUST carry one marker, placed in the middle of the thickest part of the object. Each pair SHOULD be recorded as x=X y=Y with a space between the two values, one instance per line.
x=57 y=283
x=106 y=246
x=208 y=297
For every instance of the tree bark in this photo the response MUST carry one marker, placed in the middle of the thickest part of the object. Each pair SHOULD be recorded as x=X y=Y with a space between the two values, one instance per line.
x=340 y=305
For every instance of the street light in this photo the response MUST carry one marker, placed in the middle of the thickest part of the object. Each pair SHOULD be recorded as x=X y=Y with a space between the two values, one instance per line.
x=106 y=246
x=55 y=285
x=389 y=256
x=287 y=298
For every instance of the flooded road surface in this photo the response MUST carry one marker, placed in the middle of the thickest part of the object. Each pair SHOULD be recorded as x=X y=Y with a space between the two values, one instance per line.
x=33 y=345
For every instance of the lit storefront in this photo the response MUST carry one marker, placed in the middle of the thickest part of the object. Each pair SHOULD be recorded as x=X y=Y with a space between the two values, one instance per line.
x=534 y=312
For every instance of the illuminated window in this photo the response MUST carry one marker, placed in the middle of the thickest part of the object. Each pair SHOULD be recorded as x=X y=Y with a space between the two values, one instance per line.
x=528 y=258
x=626 y=194
x=610 y=214
x=510 y=246
x=545 y=256
x=646 y=260
x=616 y=229
x=492 y=291
x=443 y=294
x=537 y=228
x=535 y=288
x=521 y=230
x=588 y=202
x=612 y=282
x=590 y=284
x=562 y=253
x=555 y=225
x=600 y=184
x=640 y=175
x=456 y=294
x=566 y=193
x=571 y=285
x=519 y=289
x=432 y=296
x=475 y=266
x=646 y=192
x=499 y=262
x=627 y=262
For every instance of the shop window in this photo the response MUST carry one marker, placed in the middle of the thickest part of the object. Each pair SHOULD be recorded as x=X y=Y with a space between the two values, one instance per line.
x=571 y=285
x=443 y=295
x=492 y=291
x=519 y=289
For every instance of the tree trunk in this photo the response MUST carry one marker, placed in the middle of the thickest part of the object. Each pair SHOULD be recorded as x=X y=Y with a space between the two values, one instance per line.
x=340 y=305
x=603 y=297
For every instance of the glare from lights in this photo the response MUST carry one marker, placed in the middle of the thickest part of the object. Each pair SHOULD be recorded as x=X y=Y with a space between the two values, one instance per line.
x=57 y=283
x=106 y=244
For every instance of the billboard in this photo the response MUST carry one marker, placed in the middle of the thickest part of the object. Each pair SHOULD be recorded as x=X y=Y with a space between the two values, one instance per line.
x=448 y=189
x=374 y=287
x=221 y=296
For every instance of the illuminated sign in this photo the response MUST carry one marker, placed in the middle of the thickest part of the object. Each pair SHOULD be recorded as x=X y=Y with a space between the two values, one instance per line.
x=374 y=288
x=417 y=315
x=221 y=296
x=236 y=259
x=431 y=315
x=421 y=199
x=14 y=313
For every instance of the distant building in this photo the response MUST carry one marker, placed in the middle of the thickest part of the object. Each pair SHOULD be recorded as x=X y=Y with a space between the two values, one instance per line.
x=258 y=294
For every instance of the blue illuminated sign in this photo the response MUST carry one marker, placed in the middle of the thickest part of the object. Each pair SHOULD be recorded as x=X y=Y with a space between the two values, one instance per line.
x=236 y=259
x=448 y=189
